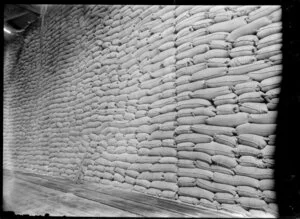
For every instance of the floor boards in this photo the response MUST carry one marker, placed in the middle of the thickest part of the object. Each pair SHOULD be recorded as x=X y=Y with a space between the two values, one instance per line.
x=95 y=200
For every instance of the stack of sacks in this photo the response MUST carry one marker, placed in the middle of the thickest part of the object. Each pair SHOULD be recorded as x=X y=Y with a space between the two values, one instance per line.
x=109 y=141
x=29 y=147
x=257 y=65
x=259 y=132
x=172 y=101
x=11 y=85
x=156 y=102
x=230 y=58
x=128 y=72
x=192 y=110
x=67 y=155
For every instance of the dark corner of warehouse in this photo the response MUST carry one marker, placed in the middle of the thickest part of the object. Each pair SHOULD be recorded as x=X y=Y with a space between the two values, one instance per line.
x=287 y=172
x=136 y=110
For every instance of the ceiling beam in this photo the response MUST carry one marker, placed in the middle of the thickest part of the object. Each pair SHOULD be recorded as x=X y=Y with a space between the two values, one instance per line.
x=14 y=16
x=29 y=8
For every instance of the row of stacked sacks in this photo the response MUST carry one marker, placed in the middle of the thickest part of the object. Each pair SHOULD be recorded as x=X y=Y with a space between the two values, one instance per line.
x=137 y=133
x=162 y=101
x=61 y=47
x=10 y=52
x=227 y=93
x=22 y=99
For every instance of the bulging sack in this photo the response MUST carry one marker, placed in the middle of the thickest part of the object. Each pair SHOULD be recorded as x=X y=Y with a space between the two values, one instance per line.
x=223 y=178
x=249 y=28
x=200 y=111
x=255 y=108
x=254 y=172
x=169 y=194
x=183 y=129
x=246 y=181
x=193 y=103
x=255 y=203
x=247 y=40
x=170 y=168
x=190 y=69
x=196 y=192
x=160 y=135
x=227 y=140
x=214 y=148
x=231 y=98
x=215 y=187
x=242 y=60
x=272 y=39
x=224 y=161
x=168 y=126
x=252 y=140
x=268 y=152
x=244 y=150
x=212 y=130
x=164 y=186
x=220 y=44
x=268 y=51
x=162 y=102
x=270 y=83
x=266 y=118
x=186 y=182
x=195 y=173
x=194 y=156
x=185 y=46
x=229 y=80
x=171 y=116
x=251 y=97
x=183 y=96
x=277 y=59
x=202 y=24
x=207 y=38
x=275 y=16
x=194 y=138
x=218 y=62
x=186 y=163
x=197 y=85
x=243 y=69
x=261 y=12
x=273 y=93
x=213 y=53
x=247 y=191
x=269 y=196
x=269 y=29
x=222 y=197
x=189 y=200
x=185 y=146
x=208 y=73
x=162 y=151
x=266 y=184
x=249 y=161
x=227 y=109
x=211 y=93
x=242 y=51
x=256 y=129
x=190 y=53
x=231 y=120
x=227 y=26
x=220 y=169
x=191 y=120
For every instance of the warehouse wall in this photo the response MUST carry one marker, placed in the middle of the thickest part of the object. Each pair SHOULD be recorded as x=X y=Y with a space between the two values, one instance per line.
x=173 y=101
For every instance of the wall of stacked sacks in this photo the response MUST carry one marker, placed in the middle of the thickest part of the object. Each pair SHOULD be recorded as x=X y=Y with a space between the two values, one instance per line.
x=172 y=101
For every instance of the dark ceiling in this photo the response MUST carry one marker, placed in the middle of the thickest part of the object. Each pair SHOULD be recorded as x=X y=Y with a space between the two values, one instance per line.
x=18 y=16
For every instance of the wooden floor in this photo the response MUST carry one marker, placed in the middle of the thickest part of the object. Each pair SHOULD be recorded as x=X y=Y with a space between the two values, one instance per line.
x=27 y=193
